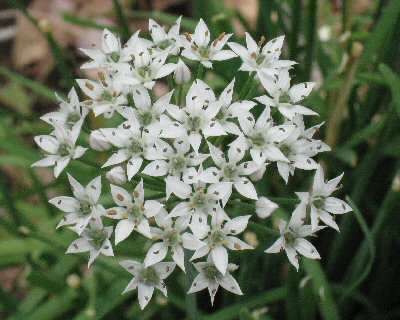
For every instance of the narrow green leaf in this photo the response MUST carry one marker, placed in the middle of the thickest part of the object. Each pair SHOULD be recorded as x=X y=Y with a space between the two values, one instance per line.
x=322 y=289
x=262 y=299
x=393 y=82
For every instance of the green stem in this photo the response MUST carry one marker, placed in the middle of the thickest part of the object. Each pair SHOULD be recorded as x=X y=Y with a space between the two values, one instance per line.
x=122 y=20
x=190 y=299
x=310 y=37
x=200 y=71
x=243 y=92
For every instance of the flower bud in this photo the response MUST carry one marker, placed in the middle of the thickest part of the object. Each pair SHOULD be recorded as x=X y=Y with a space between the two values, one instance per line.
x=182 y=73
x=259 y=173
x=265 y=207
x=116 y=175
x=98 y=141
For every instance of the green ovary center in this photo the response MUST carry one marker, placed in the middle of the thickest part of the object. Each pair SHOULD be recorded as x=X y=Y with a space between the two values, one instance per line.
x=216 y=238
x=199 y=199
x=260 y=59
x=145 y=118
x=211 y=272
x=150 y=276
x=97 y=238
x=164 y=44
x=115 y=56
x=289 y=238
x=319 y=202
x=172 y=238
x=144 y=72
x=106 y=96
x=136 y=213
x=284 y=98
x=73 y=117
x=204 y=52
x=257 y=139
x=86 y=208
x=178 y=163
x=135 y=147
x=285 y=149
x=230 y=172
x=64 y=150
x=193 y=123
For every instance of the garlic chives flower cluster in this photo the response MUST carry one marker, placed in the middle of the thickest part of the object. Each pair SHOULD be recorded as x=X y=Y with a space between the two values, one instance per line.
x=197 y=150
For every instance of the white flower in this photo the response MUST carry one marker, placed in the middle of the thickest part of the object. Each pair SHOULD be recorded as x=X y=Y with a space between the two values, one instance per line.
x=182 y=73
x=146 y=67
x=133 y=146
x=59 y=147
x=70 y=111
x=146 y=113
x=265 y=207
x=116 y=175
x=105 y=96
x=110 y=53
x=259 y=173
x=196 y=119
x=198 y=47
x=292 y=238
x=262 y=137
x=98 y=141
x=146 y=279
x=95 y=239
x=231 y=170
x=263 y=60
x=166 y=41
x=229 y=111
x=220 y=237
x=176 y=161
x=172 y=236
x=322 y=206
x=132 y=212
x=202 y=201
x=285 y=97
x=81 y=208
x=209 y=277
x=299 y=151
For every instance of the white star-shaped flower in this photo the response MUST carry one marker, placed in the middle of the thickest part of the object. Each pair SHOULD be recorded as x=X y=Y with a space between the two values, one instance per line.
x=292 y=238
x=95 y=239
x=321 y=205
x=285 y=97
x=198 y=47
x=262 y=137
x=299 y=151
x=176 y=161
x=209 y=277
x=147 y=66
x=70 y=111
x=263 y=60
x=59 y=147
x=220 y=237
x=196 y=119
x=166 y=41
x=133 y=212
x=105 y=96
x=231 y=171
x=146 y=113
x=170 y=235
x=133 y=146
x=146 y=279
x=81 y=208
x=229 y=111
x=201 y=201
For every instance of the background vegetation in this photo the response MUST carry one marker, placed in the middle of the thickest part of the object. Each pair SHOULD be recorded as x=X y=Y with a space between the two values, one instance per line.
x=350 y=48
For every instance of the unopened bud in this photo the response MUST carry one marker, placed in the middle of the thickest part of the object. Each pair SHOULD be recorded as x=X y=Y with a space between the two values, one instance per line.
x=98 y=141
x=182 y=73
x=116 y=175
x=265 y=207
x=356 y=49
x=73 y=281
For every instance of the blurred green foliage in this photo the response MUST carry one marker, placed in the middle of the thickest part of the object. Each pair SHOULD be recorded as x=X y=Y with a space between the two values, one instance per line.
x=357 y=67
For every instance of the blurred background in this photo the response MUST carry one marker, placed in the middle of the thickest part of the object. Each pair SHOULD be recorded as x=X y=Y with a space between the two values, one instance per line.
x=349 y=48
